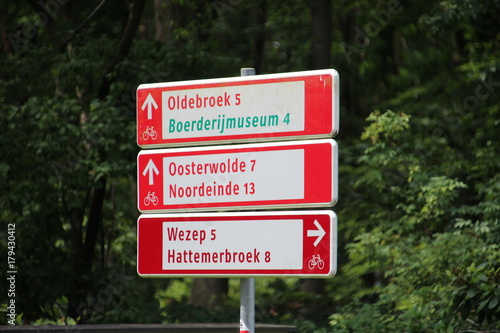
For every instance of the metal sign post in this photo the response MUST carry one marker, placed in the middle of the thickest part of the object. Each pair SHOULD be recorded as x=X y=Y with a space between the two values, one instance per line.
x=247 y=305
x=247 y=286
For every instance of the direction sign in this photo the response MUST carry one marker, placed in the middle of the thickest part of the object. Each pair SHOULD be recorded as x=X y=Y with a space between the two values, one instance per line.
x=237 y=177
x=302 y=243
x=240 y=109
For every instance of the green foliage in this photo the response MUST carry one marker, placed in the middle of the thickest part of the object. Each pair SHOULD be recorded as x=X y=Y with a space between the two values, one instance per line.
x=412 y=253
x=420 y=210
x=278 y=301
x=478 y=290
x=386 y=124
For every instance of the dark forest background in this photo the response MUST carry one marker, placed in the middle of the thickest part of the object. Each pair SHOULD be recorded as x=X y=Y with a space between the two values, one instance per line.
x=419 y=206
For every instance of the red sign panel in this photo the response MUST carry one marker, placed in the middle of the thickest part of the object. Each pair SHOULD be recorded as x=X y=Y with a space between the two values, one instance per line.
x=241 y=109
x=238 y=244
x=253 y=176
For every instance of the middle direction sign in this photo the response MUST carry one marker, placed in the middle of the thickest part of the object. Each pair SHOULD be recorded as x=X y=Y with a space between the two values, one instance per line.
x=273 y=107
x=253 y=176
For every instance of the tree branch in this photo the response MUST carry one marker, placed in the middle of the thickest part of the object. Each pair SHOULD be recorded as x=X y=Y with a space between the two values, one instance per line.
x=80 y=27
x=134 y=18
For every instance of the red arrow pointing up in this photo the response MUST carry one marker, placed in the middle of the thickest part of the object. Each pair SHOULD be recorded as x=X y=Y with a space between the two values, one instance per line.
x=149 y=103
x=150 y=168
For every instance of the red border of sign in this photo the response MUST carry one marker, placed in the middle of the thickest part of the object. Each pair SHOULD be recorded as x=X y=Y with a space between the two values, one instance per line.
x=321 y=108
x=149 y=243
x=320 y=188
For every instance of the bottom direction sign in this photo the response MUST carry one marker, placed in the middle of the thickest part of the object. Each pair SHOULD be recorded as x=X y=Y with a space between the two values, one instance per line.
x=300 y=243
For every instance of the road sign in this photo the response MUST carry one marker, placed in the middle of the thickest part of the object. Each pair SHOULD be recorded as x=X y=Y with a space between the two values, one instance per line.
x=302 y=243
x=240 y=109
x=237 y=177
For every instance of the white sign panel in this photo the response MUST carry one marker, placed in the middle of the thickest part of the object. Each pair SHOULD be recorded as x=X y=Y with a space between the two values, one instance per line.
x=240 y=110
x=224 y=177
x=203 y=245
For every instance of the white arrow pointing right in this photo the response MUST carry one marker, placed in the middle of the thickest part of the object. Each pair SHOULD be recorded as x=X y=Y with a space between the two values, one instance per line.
x=319 y=233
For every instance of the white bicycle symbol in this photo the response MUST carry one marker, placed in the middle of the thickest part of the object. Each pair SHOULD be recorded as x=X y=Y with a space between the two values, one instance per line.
x=149 y=132
x=151 y=198
x=316 y=260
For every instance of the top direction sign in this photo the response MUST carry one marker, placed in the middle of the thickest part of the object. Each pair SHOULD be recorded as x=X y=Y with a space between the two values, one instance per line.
x=260 y=108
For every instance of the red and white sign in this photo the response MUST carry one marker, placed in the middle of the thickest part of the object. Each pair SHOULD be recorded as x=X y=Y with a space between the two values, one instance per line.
x=237 y=177
x=240 y=109
x=302 y=243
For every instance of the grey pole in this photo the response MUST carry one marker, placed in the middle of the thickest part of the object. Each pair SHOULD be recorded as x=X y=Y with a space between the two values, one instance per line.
x=247 y=71
x=247 y=285
x=247 y=305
